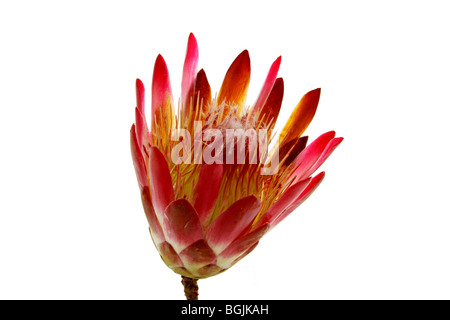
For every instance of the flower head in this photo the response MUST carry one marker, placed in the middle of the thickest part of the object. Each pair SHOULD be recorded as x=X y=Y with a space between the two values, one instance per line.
x=210 y=186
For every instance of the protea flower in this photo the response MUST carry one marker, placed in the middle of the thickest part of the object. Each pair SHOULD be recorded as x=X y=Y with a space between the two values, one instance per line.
x=204 y=217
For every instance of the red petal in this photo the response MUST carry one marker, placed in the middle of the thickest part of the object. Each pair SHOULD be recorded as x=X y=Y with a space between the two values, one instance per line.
x=242 y=256
x=242 y=244
x=271 y=109
x=268 y=84
x=160 y=182
x=308 y=157
x=230 y=224
x=235 y=84
x=142 y=131
x=198 y=254
x=207 y=190
x=141 y=128
x=292 y=149
x=312 y=186
x=182 y=226
x=138 y=161
x=140 y=96
x=169 y=256
x=155 y=228
x=202 y=91
x=331 y=146
x=161 y=90
x=288 y=197
x=301 y=117
x=189 y=72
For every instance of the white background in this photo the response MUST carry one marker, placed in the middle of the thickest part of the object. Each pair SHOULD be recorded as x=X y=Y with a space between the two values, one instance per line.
x=71 y=222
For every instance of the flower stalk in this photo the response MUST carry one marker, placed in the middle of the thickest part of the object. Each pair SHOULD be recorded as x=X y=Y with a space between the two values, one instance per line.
x=190 y=288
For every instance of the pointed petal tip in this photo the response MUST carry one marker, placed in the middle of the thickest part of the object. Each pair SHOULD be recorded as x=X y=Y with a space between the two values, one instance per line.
x=192 y=36
x=312 y=98
x=302 y=116
x=192 y=39
x=272 y=104
x=313 y=95
x=337 y=141
x=269 y=85
x=330 y=147
x=189 y=72
x=161 y=89
x=329 y=135
x=245 y=53
x=243 y=59
x=192 y=46
x=277 y=62
x=235 y=84
x=160 y=66
x=203 y=90
x=320 y=175
x=315 y=154
x=315 y=181
x=140 y=95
